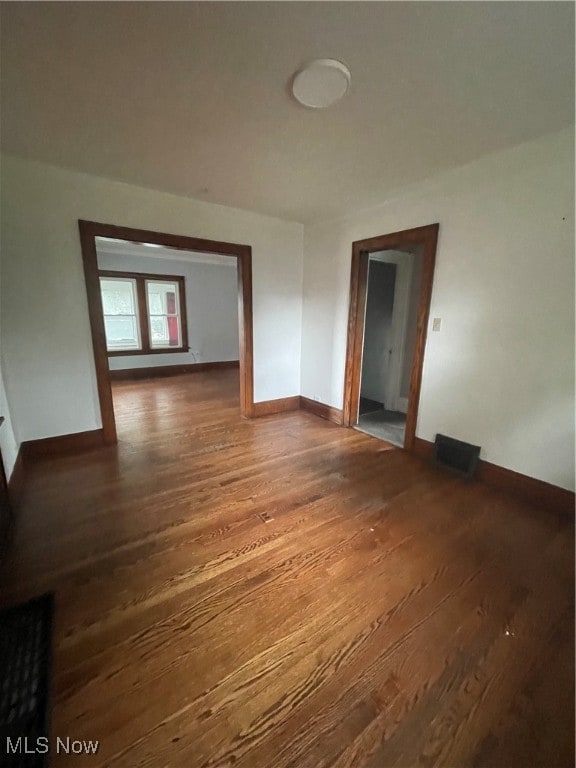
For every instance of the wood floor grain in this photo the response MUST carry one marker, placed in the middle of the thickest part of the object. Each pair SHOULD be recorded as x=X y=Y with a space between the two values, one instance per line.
x=388 y=615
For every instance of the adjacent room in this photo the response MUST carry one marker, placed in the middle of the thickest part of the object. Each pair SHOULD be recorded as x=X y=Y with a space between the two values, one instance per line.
x=169 y=315
x=287 y=407
x=390 y=322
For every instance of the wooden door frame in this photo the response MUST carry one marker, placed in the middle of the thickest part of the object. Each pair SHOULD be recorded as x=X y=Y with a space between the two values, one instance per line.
x=427 y=237
x=89 y=231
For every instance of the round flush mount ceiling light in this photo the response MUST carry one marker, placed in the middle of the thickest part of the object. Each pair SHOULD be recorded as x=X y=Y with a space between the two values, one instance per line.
x=321 y=83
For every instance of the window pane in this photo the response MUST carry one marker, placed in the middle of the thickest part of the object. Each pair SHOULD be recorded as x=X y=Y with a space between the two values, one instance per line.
x=118 y=296
x=155 y=303
x=162 y=297
x=159 y=329
x=120 y=313
x=121 y=332
x=164 y=313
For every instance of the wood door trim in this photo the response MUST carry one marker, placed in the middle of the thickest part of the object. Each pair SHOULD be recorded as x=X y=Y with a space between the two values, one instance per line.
x=426 y=236
x=89 y=231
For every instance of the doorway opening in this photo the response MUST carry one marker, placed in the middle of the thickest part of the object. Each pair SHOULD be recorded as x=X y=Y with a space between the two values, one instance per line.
x=162 y=305
x=391 y=287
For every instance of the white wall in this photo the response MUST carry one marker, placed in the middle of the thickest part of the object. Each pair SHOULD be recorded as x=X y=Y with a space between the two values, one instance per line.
x=211 y=309
x=501 y=371
x=49 y=367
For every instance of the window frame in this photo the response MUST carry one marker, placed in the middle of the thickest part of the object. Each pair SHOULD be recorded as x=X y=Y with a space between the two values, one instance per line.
x=136 y=314
x=140 y=279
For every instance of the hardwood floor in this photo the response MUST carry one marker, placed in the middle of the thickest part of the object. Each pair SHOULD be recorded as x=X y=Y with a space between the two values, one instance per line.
x=388 y=615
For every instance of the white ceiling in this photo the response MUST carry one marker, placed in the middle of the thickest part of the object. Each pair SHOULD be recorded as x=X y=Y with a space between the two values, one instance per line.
x=114 y=247
x=193 y=98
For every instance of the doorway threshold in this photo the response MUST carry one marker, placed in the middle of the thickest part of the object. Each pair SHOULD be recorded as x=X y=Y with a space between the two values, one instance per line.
x=384 y=425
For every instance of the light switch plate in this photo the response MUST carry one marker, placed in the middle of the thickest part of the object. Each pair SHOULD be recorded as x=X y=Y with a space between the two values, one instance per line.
x=436 y=323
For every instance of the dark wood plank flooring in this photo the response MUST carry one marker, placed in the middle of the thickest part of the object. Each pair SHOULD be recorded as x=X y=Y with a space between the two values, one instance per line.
x=389 y=615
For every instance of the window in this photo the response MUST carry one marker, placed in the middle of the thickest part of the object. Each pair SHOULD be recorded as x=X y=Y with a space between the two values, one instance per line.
x=163 y=314
x=120 y=305
x=143 y=314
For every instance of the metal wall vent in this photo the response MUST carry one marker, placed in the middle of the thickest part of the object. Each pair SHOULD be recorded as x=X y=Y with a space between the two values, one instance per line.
x=456 y=455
